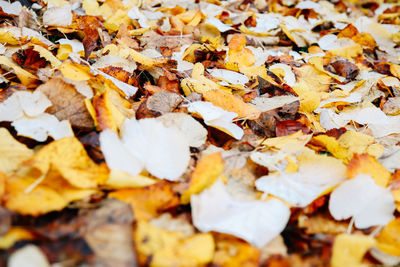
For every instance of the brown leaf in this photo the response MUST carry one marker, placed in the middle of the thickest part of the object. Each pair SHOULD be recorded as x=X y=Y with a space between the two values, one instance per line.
x=158 y=104
x=29 y=59
x=345 y=69
x=68 y=104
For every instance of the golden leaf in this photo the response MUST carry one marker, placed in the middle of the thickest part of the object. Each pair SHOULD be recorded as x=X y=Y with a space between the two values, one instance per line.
x=12 y=152
x=389 y=238
x=68 y=157
x=25 y=77
x=207 y=171
x=367 y=164
x=232 y=103
x=148 y=201
x=172 y=248
x=349 y=250
x=51 y=194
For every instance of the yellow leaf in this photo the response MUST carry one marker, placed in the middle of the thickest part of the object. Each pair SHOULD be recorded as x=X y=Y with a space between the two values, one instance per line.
x=51 y=194
x=172 y=248
x=6 y=37
x=198 y=83
x=14 y=235
x=309 y=99
x=25 y=77
x=207 y=171
x=349 y=143
x=232 y=103
x=389 y=238
x=12 y=152
x=91 y=7
x=367 y=164
x=142 y=59
x=68 y=157
x=349 y=52
x=74 y=71
x=349 y=250
x=121 y=179
x=44 y=53
x=315 y=80
x=233 y=252
x=116 y=19
x=238 y=53
x=148 y=201
x=108 y=116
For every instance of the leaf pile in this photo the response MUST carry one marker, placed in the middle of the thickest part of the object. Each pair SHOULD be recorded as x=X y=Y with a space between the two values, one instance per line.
x=199 y=133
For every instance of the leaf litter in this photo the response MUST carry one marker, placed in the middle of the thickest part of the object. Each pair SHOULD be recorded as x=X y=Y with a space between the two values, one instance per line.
x=199 y=133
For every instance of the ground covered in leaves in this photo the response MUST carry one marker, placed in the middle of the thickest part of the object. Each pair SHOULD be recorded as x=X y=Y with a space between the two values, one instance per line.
x=199 y=133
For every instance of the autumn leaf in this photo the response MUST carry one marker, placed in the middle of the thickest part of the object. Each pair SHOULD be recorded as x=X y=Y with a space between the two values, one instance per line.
x=207 y=171
x=14 y=153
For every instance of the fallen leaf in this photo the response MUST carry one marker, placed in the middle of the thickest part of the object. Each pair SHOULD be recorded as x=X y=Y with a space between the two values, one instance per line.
x=217 y=117
x=244 y=219
x=147 y=202
x=367 y=164
x=302 y=187
x=349 y=250
x=14 y=153
x=371 y=205
x=388 y=239
x=67 y=103
x=232 y=103
x=207 y=171
x=172 y=248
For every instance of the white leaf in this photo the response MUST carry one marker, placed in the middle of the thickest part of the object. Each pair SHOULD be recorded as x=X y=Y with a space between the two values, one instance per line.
x=76 y=45
x=316 y=174
x=194 y=132
x=42 y=126
x=135 y=13
x=229 y=76
x=11 y=109
x=360 y=198
x=11 y=8
x=257 y=222
x=34 y=103
x=28 y=256
x=290 y=78
x=163 y=151
x=117 y=156
x=58 y=16
x=269 y=103
x=222 y=27
x=217 y=117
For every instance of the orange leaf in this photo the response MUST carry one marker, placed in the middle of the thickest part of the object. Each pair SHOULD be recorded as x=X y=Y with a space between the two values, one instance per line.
x=232 y=103
x=148 y=201
x=367 y=164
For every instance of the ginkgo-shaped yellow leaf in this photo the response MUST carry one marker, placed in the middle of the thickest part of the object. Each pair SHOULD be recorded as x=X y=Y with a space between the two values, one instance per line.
x=172 y=248
x=198 y=82
x=52 y=194
x=206 y=173
x=349 y=250
x=232 y=103
x=12 y=152
x=68 y=157
x=389 y=238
